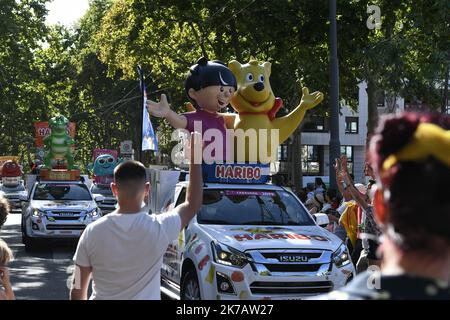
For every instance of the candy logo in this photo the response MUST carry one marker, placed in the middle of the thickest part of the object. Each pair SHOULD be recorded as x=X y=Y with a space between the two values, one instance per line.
x=277 y=236
x=237 y=172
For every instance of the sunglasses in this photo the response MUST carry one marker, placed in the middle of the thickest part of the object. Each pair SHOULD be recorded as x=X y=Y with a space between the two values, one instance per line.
x=103 y=161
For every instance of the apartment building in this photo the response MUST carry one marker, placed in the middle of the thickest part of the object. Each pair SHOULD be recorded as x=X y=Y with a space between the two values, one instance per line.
x=352 y=135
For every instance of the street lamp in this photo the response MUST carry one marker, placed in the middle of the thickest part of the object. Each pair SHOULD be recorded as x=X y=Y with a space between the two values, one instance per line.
x=335 y=144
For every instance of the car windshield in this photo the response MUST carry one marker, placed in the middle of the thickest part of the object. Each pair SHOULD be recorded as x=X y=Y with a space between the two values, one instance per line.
x=8 y=189
x=47 y=191
x=103 y=191
x=252 y=207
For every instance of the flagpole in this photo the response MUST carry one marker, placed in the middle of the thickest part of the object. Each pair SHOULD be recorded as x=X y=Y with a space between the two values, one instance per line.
x=141 y=82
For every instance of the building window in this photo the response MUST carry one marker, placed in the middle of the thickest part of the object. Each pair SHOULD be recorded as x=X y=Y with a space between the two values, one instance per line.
x=311 y=160
x=351 y=125
x=283 y=152
x=315 y=124
x=348 y=152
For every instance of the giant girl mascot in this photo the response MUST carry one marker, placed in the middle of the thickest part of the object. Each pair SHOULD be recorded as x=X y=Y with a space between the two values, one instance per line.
x=256 y=106
x=209 y=86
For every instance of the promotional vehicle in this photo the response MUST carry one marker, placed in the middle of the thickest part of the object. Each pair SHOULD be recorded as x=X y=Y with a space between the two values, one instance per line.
x=254 y=241
x=57 y=209
x=108 y=202
x=13 y=194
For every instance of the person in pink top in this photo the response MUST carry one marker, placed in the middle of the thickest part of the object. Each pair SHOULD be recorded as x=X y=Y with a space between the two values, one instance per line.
x=209 y=86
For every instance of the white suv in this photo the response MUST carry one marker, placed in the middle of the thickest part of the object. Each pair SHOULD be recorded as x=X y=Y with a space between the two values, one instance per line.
x=253 y=242
x=13 y=194
x=57 y=209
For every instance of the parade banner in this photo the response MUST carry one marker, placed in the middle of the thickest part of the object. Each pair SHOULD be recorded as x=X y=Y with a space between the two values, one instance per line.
x=97 y=152
x=60 y=175
x=148 y=137
x=149 y=141
x=240 y=173
x=103 y=180
x=11 y=181
x=42 y=130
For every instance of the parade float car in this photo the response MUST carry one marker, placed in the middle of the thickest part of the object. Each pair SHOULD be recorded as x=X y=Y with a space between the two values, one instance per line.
x=59 y=203
x=253 y=241
x=103 y=170
x=13 y=193
x=12 y=184
x=57 y=209
x=108 y=201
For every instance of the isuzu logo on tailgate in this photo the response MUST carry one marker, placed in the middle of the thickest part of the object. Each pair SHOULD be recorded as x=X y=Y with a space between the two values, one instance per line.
x=293 y=258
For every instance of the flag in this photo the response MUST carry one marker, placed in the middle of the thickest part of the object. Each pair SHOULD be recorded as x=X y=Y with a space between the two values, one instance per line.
x=149 y=141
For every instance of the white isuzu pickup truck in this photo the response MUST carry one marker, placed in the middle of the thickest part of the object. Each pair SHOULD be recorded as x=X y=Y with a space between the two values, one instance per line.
x=252 y=241
x=56 y=209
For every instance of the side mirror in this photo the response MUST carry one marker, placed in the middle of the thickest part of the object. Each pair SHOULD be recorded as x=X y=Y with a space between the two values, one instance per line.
x=23 y=197
x=99 y=198
x=321 y=219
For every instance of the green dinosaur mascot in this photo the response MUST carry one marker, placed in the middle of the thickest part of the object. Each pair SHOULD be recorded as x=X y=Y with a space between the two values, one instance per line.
x=58 y=143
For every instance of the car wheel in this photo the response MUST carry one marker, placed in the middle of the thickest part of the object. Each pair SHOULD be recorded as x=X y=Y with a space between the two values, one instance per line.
x=190 y=288
x=26 y=240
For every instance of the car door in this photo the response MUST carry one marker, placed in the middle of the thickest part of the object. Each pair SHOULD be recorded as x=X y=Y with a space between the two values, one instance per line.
x=172 y=259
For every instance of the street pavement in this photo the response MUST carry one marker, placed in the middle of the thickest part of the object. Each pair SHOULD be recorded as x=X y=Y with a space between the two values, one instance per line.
x=42 y=274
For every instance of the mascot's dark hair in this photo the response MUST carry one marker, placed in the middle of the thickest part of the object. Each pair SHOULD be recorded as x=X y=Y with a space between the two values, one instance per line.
x=208 y=73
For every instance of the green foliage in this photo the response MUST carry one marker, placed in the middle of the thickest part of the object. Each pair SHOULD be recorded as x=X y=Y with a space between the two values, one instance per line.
x=88 y=73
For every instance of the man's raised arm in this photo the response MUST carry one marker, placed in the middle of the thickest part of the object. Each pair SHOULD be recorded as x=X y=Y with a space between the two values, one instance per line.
x=194 y=194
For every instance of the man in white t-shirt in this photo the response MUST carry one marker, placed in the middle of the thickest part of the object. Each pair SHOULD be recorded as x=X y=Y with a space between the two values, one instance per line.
x=122 y=252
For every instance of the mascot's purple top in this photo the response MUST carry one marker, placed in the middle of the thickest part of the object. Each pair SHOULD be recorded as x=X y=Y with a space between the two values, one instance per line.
x=210 y=86
x=208 y=121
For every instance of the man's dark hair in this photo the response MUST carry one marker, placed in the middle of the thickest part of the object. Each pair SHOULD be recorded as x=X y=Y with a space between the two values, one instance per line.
x=4 y=209
x=130 y=171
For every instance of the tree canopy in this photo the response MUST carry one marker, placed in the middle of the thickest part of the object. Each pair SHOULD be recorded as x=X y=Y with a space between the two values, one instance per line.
x=88 y=72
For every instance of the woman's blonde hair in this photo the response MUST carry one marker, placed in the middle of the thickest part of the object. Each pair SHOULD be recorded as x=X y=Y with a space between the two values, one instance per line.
x=6 y=254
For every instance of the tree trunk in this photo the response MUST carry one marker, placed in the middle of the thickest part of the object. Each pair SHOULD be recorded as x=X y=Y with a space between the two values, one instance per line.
x=372 y=111
x=299 y=156
x=296 y=168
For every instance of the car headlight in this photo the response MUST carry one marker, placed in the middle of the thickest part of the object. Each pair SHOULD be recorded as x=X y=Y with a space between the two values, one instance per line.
x=341 y=256
x=228 y=256
x=37 y=213
x=94 y=213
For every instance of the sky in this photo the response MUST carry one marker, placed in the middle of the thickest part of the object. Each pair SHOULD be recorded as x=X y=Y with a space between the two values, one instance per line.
x=66 y=12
